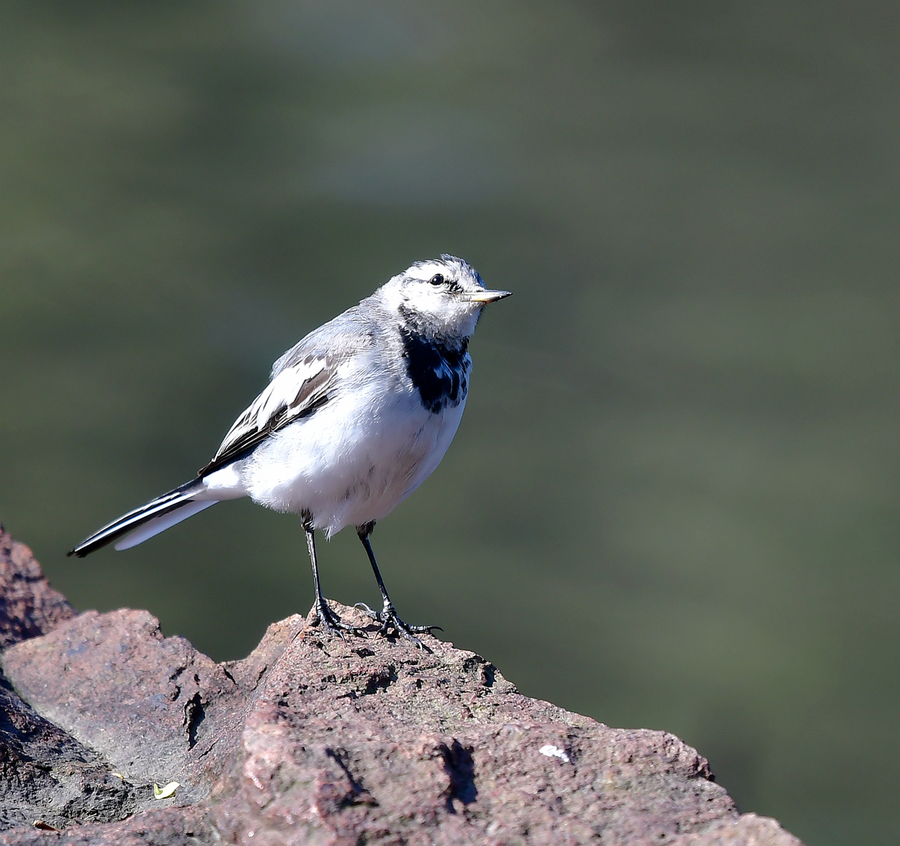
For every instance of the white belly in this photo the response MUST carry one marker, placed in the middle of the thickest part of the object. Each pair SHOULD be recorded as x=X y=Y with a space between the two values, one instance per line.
x=350 y=462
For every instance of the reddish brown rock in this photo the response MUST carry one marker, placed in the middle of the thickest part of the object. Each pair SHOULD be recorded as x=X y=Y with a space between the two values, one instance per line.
x=153 y=707
x=324 y=741
x=28 y=605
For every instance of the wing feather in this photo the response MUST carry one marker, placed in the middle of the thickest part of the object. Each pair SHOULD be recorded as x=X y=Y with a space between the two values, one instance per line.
x=294 y=392
x=302 y=381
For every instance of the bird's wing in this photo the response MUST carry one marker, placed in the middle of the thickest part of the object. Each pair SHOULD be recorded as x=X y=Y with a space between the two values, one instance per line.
x=295 y=391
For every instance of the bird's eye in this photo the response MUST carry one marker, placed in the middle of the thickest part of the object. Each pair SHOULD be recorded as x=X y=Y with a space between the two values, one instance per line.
x=437 y=279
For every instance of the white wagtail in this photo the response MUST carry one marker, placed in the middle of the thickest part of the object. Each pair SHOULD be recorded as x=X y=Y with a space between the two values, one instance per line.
x=354 y=418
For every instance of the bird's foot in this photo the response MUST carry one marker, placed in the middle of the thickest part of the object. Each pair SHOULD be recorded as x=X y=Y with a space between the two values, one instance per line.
x=333 y=625
x=388 y=620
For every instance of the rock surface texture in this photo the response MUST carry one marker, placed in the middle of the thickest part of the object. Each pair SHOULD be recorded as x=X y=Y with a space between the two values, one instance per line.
x=313 y=741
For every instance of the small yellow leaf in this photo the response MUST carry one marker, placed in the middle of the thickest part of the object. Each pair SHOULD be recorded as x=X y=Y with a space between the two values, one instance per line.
x=165 y=792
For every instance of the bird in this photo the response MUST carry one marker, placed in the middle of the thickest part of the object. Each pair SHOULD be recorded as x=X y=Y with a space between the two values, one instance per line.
x=354 y=418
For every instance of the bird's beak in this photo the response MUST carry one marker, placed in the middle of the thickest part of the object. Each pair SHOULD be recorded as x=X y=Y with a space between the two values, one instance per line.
x=486 y=296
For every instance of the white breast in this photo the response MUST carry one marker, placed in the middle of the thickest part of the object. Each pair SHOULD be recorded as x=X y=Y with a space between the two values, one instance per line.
x=353 y=460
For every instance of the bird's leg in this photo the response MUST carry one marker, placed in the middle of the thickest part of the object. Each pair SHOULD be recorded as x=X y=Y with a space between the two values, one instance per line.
x=320 y=610
x=388 y=616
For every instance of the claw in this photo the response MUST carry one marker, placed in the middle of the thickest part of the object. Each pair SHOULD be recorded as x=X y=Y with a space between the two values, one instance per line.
x=387 y=619
x=333 y=625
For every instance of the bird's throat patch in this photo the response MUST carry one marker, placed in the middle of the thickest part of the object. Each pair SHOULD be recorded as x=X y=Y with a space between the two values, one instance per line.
x=440 y=374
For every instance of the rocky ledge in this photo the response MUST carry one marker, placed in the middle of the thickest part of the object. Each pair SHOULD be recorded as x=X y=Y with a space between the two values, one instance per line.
x=313 y=740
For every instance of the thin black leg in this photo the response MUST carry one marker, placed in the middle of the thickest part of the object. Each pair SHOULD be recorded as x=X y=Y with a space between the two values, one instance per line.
x=388 y=615
x=322 y=613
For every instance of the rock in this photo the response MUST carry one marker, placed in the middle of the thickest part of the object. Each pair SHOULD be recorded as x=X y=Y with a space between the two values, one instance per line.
x=154 y=708
x=44 y=772
x=28 y=605
x=315 y=740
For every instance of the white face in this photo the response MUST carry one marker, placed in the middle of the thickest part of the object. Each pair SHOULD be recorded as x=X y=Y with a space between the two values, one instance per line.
x=438 y=296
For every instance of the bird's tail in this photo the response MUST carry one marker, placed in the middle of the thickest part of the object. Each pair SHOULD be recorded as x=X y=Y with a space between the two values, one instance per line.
x=156 y=516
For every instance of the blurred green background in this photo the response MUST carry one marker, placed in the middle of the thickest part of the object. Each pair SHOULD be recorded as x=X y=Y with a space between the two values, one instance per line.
x=672 y=502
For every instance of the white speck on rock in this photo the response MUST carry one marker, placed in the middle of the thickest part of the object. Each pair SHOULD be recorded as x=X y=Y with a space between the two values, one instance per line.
x=554 y=752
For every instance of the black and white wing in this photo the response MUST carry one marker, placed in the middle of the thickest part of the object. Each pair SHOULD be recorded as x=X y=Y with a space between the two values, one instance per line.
x=295 y=391
x=302 y=380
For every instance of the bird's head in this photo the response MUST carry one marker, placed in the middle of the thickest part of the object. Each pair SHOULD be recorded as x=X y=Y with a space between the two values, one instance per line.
x=440 y=298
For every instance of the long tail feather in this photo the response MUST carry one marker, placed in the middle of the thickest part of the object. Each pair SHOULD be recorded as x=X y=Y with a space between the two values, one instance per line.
x=148 y=520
